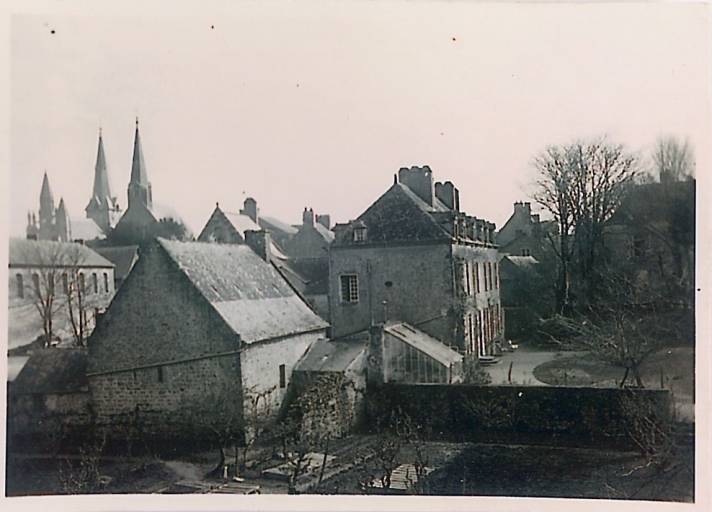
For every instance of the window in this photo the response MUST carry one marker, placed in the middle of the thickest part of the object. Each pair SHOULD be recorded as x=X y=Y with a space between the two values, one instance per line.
x=95 y=282
x=82 y=284
x=349 y=288
x=477 y=277
x=50 y=284
x=282 y=376
x=360 y=234
x=106 y=282
x=468 y=289
x=36 y=283
x=160 y=373
x=526 y=252
x=20 y=286
x=496 y=275
x=65 y=284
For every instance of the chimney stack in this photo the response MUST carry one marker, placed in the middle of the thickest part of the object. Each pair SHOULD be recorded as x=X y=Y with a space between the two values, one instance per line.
x=419 y=180
x=308 y=217
x=250 y=209
x=448 y=194
x=260 y=242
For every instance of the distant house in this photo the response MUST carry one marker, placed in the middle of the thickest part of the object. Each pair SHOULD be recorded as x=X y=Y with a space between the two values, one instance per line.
x=308 y=276
x=524 y=233
x=195 y=327
x=312 y=239
x=413 y=256
x=38 y=269
x=50 y=396
x=653 y=231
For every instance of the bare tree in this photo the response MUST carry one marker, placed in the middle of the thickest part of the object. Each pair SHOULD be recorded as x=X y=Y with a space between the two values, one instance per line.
x=673 y=159
x=74 y=279
x=581 y=185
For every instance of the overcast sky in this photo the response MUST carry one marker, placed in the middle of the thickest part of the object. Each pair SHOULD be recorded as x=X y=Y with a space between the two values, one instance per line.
x=318 y=104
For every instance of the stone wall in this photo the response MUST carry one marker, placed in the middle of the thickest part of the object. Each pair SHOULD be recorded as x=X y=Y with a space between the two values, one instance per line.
x=153 y=351
x=517 y=414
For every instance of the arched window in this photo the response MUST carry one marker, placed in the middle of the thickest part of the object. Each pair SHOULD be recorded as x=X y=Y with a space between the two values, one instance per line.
x=36 y=283
x=106 y=282
x=95 y=282
x=20 y=286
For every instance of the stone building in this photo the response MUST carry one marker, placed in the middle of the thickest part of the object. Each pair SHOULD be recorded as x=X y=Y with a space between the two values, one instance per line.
x=413 y=256
x=308 y=275
x=312 y=239
x=524 y=233
x=194 y=327
x=653 y=231
x=40 y=269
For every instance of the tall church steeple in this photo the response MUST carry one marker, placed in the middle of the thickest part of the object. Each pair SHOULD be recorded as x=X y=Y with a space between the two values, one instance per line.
x=46 y=210
x=139 y=186
x=102 y=205
x=63 y=229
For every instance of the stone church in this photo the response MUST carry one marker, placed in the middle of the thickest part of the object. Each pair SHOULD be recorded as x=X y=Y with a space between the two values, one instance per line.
x=105 y=224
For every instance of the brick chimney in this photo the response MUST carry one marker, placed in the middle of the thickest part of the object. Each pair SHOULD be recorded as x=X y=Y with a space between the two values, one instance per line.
x=260 y=242
x=324 y=220
x=249 y=208
x=308 y=217
x=419 y=180
x=448 y=194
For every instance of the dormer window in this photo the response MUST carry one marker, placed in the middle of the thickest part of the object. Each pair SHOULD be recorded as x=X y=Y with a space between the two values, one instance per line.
x=360 y=232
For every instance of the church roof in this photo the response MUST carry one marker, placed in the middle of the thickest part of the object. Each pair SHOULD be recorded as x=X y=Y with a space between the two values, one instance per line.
x=249 y=294
x=44 y=253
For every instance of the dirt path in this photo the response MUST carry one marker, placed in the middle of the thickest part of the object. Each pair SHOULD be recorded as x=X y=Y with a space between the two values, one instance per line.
x=185 y=470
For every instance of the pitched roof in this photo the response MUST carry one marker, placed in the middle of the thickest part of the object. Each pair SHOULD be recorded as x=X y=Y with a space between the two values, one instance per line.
x=325 y=233
x=273 y=224
x=85 y=229
x=330 y=356
x=240 y=223
x=521 y=261
x=399 y=215
x=249 y=294
x=53 y=370
x=45 y=253
x=124 y=257
x=423 y=342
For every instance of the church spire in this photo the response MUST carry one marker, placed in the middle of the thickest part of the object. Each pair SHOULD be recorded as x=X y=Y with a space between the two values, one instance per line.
x=46 y=206
x=139 y=187
x=102 y=190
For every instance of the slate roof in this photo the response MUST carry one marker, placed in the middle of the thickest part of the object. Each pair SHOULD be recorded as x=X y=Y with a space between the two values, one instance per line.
x=330 y=356
x=85 y=229
x=124 y=257
x=250 y=295
x=417 y=339
x=273 y=224
x=53 y=371
x=399 y=215
x=24 y=253
x=522 y=262
x=325 y=233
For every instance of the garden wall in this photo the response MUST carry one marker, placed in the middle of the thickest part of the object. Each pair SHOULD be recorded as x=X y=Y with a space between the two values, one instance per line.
x=574 y=416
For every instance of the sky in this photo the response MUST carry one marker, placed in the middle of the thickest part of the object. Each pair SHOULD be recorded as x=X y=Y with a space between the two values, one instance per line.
x=318 y=104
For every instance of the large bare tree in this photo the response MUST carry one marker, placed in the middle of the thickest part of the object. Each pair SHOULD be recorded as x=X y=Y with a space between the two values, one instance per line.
x=581 y=184
x=673 y=159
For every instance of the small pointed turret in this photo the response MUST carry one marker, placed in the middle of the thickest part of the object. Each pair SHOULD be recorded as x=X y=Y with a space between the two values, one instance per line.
x=46 y=197
x=139 y=187
x=62 y=223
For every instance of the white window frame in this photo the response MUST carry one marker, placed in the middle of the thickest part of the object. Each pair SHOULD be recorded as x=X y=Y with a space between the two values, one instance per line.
x=353 y=289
